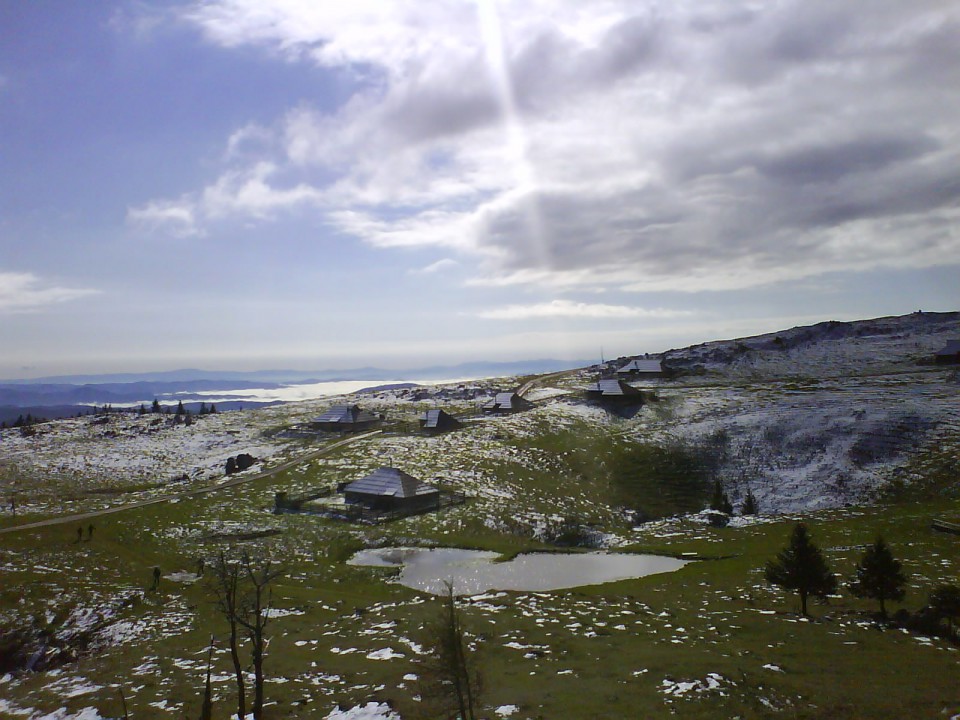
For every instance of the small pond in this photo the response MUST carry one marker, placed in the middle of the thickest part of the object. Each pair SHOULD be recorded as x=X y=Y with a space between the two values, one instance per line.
x=474 y=571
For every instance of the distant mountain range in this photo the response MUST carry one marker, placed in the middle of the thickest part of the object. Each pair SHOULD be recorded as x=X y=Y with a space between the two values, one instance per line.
x=64 y=395
x=260 y=378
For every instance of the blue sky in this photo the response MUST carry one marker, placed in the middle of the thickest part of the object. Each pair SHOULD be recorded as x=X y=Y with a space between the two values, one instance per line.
x=244 y=184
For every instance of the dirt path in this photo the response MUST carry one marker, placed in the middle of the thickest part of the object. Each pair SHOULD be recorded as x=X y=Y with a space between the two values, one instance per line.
x=83 y=517
x=530 y=384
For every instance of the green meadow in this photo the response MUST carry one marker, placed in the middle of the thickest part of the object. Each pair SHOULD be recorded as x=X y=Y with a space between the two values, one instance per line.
x=710 y=640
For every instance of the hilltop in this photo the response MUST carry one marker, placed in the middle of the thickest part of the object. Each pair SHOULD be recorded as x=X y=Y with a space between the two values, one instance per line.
x=845 y=425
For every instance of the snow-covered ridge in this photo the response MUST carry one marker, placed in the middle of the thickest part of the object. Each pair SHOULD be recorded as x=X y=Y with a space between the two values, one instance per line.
x=827 y=349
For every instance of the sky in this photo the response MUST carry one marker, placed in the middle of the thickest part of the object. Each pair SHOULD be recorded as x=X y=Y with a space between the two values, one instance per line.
x=247 y=184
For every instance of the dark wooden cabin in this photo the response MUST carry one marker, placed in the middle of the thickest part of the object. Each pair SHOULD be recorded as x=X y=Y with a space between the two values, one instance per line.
x=438 y=421
x=949 y=355
x=506 y=402
x=389 y=489
x=613 y=391
x=643 y=367
x=345 y=418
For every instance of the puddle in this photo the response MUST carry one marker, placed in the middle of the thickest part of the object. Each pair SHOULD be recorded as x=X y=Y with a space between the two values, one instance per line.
x=474 y=571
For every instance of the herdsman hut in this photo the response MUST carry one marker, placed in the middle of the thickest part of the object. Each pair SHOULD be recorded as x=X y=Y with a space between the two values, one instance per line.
x=345 y=418
x=613 y=391
x=438 y=421
x=388 y=489
x=649 y=368
x=950 y=355
x=507 y=402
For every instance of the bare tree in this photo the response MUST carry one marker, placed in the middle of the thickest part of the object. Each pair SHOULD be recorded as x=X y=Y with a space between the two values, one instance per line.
x=206 y=712
x=255 y=617
x=450 y=681
x=225 y=583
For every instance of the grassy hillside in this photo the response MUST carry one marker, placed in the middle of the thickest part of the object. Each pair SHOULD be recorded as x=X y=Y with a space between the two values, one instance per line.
x=710 y=640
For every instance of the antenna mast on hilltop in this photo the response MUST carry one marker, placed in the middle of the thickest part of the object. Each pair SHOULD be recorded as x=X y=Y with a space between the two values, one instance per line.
x=601 y=354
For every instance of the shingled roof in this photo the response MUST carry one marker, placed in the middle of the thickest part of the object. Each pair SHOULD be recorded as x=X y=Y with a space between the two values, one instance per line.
x=642 y=366
x=507 y=402
x=613 y=388
x=437 y=419
x=951 y=348
x=390 y=482
x=346 y=415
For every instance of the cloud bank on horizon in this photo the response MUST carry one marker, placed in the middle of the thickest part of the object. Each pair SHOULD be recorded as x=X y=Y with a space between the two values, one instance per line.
x=683 y=160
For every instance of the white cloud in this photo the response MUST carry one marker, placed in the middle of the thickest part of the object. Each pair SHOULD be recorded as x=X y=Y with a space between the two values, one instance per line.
x=436 y=267
x=570 y=309
x=249 y=192
x=643 y=146
x=176 y=216
x=245 y=192
x=24 y=292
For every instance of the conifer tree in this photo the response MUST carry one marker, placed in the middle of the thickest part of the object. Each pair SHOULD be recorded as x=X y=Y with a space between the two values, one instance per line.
x=750 y=504
x=945 y=601
x=800 y=566
x=155 y=407
x=180 y=408
x=879 y=576
x=720 y=501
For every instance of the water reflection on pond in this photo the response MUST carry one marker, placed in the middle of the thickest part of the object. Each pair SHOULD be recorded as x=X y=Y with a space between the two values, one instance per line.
x=473 y=571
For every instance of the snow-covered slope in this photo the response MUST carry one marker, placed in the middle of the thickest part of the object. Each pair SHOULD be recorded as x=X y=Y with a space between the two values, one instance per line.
x=823 y=415
x=827 y=349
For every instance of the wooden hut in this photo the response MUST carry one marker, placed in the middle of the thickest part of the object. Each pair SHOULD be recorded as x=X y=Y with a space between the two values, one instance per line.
x=345 y=418
x=388 y=489
x=438 y=421
x=506 y=402
x=949 y=355
x=614 y=391
x=644 y=367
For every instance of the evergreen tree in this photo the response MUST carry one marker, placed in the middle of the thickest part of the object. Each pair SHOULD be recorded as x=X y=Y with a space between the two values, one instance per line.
x=180 y=408
x=800 y=566
x=213 y=409
x=155 y=406
x=141 y=410
x=879 y=576
x=945 y=601
x=750 y=505
x=720 y=501
x=203 y=409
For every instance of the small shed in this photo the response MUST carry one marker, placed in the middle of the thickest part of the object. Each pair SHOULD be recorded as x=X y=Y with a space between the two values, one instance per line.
x=949 y=355
x=390 y=489
x=506 y=402
x=438 y=421
x=345 y=418
x=650 y=368
x=614 y=390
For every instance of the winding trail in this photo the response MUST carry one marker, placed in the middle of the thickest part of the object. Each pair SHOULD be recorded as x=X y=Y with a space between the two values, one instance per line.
x=82 y=517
